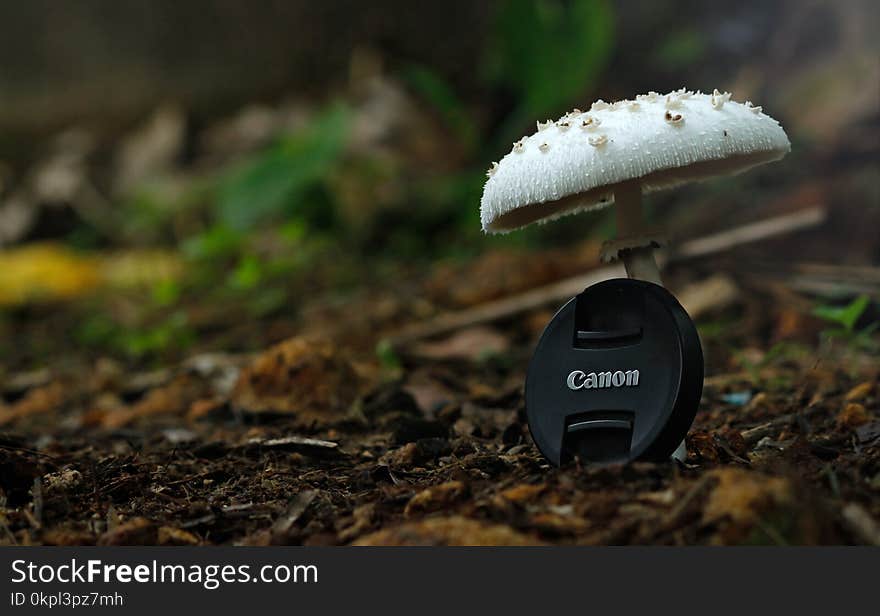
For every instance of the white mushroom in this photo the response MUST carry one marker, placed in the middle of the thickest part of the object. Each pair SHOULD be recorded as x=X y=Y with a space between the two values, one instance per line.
x=673 y=139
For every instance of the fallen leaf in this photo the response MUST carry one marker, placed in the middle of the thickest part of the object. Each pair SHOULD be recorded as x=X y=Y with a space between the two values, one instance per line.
x=558 y=524
x=42 y=272
x=295 y=508
x=152 y=149
x=293 y=442
x=702 y=445
x=860 y=391
x=454 y=530
x=523 y=492
x=413 y=454
x=175 y=398
x=471 y=344
x=45 y=272
x=436 y=498
x=861 y=523
x=168 y=535
x=741 y=496
x=305 y=377
x=35 y=402
x=138 y=531
x=65 y=536
x=363 y=518
x=853 y=415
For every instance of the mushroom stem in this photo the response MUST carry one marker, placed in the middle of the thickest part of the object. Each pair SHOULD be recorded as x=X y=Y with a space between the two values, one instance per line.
x=639 y=262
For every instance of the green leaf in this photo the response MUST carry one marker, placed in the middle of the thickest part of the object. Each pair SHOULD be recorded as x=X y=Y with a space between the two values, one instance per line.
x=681 y=49
x=550 y=51
x=275 y=182
x=845 y=316
x=215 y=243
x=248 y=274
x=388 y=358
x=440 y=95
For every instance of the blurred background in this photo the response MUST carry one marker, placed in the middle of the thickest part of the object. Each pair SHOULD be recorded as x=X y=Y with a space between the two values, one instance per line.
x=181 y=177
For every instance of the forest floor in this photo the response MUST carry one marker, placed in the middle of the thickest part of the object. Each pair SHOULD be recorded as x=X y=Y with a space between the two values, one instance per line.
x=314 y=441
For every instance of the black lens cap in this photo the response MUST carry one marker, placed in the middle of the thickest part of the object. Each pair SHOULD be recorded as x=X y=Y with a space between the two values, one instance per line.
x=617 y=376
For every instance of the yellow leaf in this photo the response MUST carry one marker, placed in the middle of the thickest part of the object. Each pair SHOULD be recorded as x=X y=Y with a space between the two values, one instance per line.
x=45 y=272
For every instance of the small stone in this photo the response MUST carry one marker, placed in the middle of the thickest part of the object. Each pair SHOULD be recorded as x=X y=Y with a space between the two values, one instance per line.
x=62 y=481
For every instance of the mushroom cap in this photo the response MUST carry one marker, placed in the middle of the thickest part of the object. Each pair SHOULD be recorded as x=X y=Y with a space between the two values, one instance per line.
x=573 y=164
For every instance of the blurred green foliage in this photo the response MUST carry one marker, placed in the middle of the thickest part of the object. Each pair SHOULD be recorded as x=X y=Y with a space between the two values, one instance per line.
x=549 y=52
x=254 y=232
x=845 y=319
x=781 y=352
x=437 y=92
x=844 y=316
x=275 y=183
x=681 y=49
x=388 y=358
x=156 y=338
